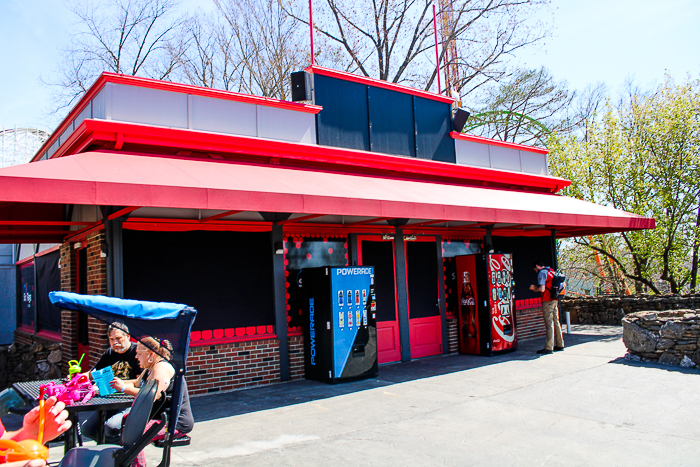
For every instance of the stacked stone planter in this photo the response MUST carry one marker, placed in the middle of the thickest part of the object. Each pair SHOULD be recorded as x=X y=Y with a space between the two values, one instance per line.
x=670 y=337
x=29 y=362
x=611 y=309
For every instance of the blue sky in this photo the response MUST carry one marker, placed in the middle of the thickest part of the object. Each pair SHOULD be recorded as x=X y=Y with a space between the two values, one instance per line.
x=592 y=41
x=613 y=40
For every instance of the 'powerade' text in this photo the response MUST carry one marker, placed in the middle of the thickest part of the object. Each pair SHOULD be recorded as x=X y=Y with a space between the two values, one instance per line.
x=312 y=332
x=352 y=271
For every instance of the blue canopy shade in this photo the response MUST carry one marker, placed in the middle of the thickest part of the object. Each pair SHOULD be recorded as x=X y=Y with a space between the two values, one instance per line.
x=162 y=321
x=116 y=306
x=141 y=320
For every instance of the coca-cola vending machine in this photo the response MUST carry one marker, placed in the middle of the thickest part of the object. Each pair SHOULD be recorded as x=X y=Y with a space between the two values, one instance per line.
x=486 y=304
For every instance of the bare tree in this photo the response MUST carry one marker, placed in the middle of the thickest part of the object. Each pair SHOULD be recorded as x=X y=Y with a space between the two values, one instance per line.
x=249 y=46
x=199 y=64
x=212 y=59
x=134 y=37
x=587 y=105
x=525 y=109
x=393 y=40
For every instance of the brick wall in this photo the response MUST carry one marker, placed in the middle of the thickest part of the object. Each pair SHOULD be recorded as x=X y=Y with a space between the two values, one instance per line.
x=99 y=343
x=296 y=357
x=453 y=335
x=22 y=337
x=227 y=367
x=69 y=337
x=96 y=285
x=530 y=326
x=68 y=267
x=69 y=320
x=96 y=265
x=530 y=323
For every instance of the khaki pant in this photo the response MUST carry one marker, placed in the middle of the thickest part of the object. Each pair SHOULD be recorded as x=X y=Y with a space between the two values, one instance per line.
x=551 y=322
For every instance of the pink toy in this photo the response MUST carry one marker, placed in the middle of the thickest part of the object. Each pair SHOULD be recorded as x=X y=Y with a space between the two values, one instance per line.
x=79 y=388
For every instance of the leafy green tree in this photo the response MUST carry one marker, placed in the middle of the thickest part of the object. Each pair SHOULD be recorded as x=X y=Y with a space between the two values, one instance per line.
x=643 y=157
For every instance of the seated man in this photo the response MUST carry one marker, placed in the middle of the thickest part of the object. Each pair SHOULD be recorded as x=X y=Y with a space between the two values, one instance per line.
x=121 y=356
x=56 y=422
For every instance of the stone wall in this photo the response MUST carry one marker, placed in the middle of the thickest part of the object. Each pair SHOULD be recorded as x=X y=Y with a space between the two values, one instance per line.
x=29 y=362
x=671 y=337
x=611 y=309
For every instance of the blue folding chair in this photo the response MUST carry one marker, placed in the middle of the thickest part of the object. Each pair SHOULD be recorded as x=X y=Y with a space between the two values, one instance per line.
x=169 y=321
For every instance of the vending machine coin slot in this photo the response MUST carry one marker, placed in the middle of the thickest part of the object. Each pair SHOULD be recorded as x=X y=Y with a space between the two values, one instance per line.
x=358 y=351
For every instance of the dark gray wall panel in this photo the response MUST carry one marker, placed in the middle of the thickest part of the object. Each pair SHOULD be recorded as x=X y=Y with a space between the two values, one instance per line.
x=6 y=254
x=433 y=125
x=8 y=302
x=226 y=276
x=525 y=250
x=343 y=122
x=391 y=129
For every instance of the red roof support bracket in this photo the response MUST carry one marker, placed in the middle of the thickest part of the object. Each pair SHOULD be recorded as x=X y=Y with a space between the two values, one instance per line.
x=368 y=221
x=299 y=219
x=122 y=212
x=219 y=216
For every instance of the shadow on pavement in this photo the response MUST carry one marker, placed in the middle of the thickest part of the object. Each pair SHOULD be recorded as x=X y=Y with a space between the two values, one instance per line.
x=229 y=404
x=658 y=366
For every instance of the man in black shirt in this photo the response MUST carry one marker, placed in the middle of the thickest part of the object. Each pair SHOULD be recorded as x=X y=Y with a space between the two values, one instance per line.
x=121 y=356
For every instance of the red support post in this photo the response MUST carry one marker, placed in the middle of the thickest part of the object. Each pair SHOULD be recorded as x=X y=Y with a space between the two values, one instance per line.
x=437 y=54
x=311 y=29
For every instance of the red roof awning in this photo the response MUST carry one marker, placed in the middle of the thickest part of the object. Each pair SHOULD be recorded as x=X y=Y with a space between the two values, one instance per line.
x=117 y=179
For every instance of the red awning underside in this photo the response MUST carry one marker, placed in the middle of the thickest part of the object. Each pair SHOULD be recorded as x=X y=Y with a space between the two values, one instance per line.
x=116 y=179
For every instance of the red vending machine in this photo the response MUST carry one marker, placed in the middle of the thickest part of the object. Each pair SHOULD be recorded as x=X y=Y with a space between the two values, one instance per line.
x=486 y=304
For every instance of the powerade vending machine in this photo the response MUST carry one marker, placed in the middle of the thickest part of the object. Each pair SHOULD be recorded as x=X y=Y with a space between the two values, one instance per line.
x=486 y=314
x=341 y=328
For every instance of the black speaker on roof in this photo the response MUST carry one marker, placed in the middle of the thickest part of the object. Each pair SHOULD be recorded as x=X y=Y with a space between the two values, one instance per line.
x=459 y=120
x=301 y=86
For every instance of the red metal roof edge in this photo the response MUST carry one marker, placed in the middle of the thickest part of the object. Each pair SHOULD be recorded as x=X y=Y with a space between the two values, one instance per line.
x=218 y=142
x=496 y=142
x=378 y=83
x=566 y=218
x=210 y=92
x=107 y=77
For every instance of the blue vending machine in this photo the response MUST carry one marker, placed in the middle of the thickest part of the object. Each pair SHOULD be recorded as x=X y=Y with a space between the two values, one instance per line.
x=340 y=338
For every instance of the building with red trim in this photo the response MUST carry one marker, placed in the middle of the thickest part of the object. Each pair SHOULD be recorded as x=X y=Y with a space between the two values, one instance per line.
x=161 y=191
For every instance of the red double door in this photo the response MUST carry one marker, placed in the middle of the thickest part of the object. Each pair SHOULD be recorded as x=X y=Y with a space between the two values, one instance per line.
x=424 y=323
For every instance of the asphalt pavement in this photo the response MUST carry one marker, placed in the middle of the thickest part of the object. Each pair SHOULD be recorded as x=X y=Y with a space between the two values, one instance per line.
x=586 y=405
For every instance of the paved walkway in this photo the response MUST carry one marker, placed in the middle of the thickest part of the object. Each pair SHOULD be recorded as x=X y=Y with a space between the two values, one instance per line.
x=583 y=406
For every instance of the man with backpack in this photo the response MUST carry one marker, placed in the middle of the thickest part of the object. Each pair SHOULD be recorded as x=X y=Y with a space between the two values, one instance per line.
x=545 y=277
